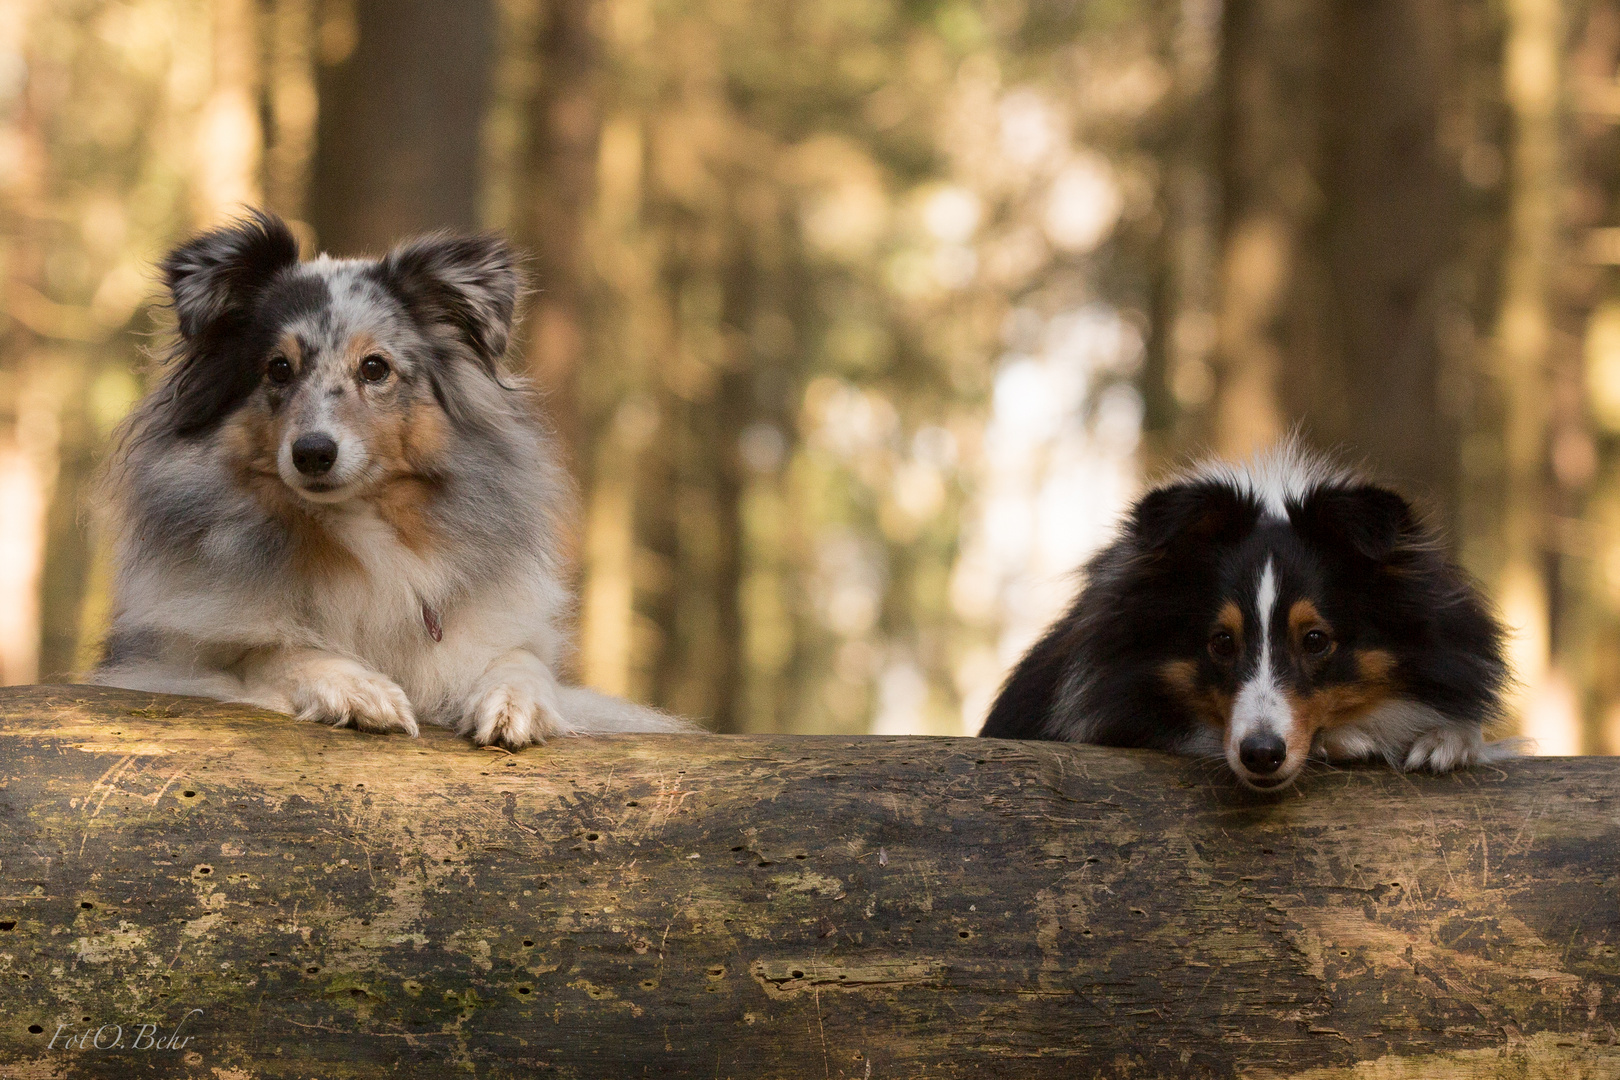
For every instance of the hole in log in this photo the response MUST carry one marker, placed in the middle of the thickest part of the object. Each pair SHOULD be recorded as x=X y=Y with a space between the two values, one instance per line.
x=528 y=943
x=717 y=973
x=35 y=1029
x=801 y=856
x=86 y=1019
x=188 y=794
x=632 y=802
x=963 y=934
x=312 y=969
x=523 y=990
x=739 y=847
x=9 y=924
x=649 y=984
x=205 y=869
x=355 y=991
x=593 y=837
x=797 y=974
x=87 y=905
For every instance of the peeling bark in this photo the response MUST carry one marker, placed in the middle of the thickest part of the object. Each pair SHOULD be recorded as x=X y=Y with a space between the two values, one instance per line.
x=343 y=905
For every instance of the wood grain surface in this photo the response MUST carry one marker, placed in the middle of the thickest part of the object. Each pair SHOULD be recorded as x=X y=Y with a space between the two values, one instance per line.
x=304 y=902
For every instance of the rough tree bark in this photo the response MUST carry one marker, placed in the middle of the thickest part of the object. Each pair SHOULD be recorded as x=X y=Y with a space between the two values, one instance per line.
x=341 y=905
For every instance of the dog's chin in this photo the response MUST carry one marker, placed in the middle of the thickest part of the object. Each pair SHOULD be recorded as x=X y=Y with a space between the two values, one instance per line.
x=1277 y=781
x=1269 y=784
x=325 y=492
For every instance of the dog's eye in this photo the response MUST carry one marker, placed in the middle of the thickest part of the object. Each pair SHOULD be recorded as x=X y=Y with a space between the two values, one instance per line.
x=279 y=371
x=1222 y=645
x=1316 y=642
x=374 y=369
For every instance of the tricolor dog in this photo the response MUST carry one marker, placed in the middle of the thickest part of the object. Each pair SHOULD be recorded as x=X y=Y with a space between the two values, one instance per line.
x=1268 y=613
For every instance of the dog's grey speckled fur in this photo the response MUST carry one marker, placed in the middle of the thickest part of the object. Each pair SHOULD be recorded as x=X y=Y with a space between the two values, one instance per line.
x=240 y=578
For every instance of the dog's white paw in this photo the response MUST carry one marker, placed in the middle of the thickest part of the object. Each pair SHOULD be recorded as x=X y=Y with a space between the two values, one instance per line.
x=1444 y=749
x=344 y=694
x=514 y=712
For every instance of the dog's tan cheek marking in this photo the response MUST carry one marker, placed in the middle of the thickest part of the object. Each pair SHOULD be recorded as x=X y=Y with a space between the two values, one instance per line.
x=1210 y=705
x=425 y=435
x=408 y=437
x=1333 y=706
x=249 y=439
x=1342 y=703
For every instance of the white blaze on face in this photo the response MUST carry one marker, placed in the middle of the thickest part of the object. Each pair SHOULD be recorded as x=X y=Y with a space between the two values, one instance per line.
x=1261 y=705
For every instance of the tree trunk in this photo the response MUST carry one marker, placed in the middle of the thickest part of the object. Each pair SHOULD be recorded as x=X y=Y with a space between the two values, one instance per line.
x=1532 y=82
x=402 y=104
x=1269 y=286
x=557 y=192
x=303 y=901
x=1390 y=233
x=1341 y=231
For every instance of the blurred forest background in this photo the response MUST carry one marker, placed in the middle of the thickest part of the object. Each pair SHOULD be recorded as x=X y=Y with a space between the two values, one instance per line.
x=860 y=320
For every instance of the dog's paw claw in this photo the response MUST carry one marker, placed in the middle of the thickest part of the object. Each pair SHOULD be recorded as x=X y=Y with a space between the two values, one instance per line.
x=514 y=715
x=1445 y=749
x=351 y=696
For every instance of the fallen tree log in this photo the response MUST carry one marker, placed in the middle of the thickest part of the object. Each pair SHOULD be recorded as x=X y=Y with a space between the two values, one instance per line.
x=232 y=894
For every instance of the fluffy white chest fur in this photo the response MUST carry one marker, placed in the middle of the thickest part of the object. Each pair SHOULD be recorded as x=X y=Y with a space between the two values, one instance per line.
x=380 y=614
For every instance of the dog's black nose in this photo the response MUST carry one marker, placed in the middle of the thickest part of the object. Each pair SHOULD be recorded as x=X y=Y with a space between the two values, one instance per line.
x=1262 y=754
x=314 y=454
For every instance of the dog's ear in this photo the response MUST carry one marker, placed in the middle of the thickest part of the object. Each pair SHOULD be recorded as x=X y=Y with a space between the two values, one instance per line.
x=1183 y=515
x=468 y=283
x=216 y=280
x=1365 y=520
x=221 y=271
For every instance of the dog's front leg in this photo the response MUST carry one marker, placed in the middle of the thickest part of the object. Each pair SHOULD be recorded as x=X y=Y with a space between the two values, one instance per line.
x=329 y=689
x=514 y=703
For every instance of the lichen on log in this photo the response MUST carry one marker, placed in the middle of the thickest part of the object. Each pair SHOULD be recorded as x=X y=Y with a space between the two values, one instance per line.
x=301 y=902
